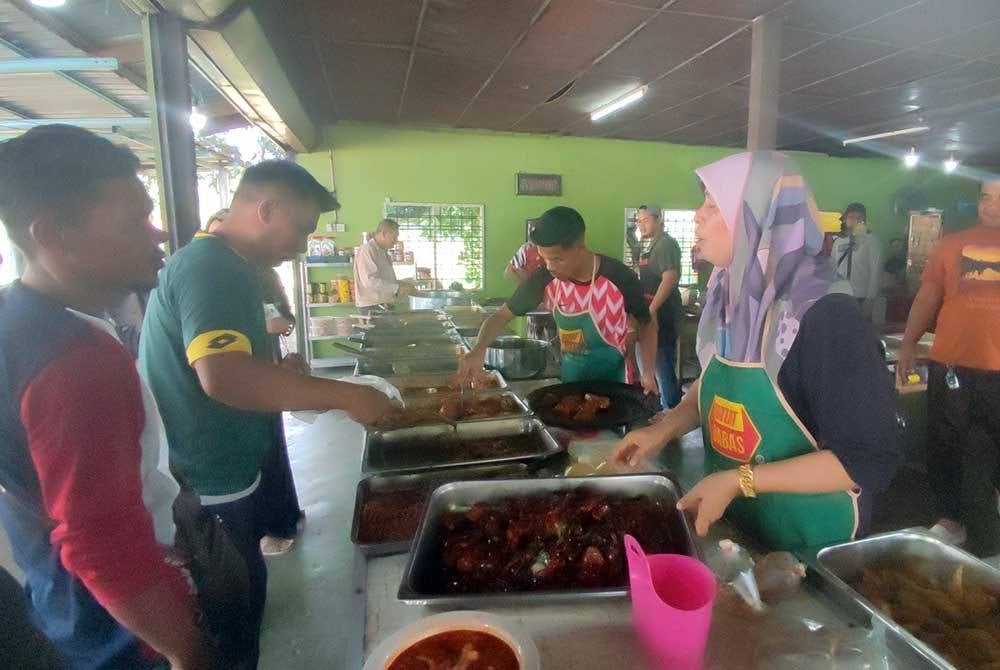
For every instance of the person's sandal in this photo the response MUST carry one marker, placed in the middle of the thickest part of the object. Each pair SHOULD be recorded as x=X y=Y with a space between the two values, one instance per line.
x=275 y=546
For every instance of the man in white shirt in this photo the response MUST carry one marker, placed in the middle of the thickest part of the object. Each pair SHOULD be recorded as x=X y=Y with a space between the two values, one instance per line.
x=375 y=280
x=858 y=255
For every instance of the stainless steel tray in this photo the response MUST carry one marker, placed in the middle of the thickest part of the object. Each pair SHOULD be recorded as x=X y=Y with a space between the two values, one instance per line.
x=424 y=482
x=432 y=447
x=404 y=318
x=416 y=350
x=840 y=565
x=402 y=337
x=388 y=367
x=522 y=410
x=418 y=578
x=434 y=384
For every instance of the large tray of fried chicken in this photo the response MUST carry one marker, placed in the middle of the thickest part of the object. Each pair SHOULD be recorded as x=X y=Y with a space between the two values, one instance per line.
x=515 y=541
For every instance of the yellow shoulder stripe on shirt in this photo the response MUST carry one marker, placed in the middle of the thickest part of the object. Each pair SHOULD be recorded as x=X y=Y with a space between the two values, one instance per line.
x=217 y=342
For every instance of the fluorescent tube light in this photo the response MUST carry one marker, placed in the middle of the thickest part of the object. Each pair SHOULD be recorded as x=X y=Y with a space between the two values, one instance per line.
x=891 y=133
x=612 y=107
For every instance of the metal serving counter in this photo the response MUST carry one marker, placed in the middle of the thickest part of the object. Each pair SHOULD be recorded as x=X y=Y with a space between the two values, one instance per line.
x=595 y=635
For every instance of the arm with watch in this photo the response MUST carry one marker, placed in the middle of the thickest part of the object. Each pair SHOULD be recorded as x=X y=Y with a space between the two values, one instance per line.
x=819 y=472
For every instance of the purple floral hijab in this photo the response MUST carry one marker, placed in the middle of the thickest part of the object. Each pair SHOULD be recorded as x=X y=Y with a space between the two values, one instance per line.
x=753 y=307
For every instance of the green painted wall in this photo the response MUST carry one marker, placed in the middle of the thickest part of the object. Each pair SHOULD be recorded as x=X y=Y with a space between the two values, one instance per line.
x=600 y=178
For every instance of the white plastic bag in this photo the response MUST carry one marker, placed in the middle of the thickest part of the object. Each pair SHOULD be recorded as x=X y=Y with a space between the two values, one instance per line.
x=333 y=417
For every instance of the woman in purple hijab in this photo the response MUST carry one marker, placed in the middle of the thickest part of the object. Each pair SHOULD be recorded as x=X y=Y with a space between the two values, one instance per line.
x=794 y=401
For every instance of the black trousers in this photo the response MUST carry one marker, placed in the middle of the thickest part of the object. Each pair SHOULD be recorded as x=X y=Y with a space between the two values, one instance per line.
x=963 y=456
x=279 y=502
x=229 y=571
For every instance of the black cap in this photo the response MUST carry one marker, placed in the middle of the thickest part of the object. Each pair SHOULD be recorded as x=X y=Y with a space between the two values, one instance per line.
x=293 y=177
x=855 y=207
x=559 y=225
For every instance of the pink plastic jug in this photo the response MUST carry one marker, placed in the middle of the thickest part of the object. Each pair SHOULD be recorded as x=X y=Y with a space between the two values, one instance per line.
x=672 y=597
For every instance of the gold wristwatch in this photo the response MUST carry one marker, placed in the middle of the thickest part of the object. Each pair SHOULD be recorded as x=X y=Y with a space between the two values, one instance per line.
x=747 y=484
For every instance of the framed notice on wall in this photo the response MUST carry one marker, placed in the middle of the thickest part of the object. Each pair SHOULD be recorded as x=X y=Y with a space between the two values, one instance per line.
x=538 y=184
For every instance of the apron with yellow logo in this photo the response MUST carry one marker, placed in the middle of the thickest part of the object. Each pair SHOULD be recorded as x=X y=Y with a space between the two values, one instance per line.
x=586 y=353
x=746 y=419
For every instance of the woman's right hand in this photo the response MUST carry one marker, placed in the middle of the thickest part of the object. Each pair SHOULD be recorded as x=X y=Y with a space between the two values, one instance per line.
x=641 y=444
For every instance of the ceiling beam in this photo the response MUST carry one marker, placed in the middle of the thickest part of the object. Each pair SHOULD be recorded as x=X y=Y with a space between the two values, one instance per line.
x=61 y=29
x=413 y=55
x=124 y=122
x=36 y=65
x=13 y=110
x=131 y=51
x=79 y=83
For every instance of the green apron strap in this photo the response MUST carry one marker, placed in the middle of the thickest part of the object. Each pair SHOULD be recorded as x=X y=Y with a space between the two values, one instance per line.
x=745 y=419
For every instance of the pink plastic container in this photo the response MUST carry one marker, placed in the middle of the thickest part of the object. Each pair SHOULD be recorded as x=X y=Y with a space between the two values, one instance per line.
x=672 y=597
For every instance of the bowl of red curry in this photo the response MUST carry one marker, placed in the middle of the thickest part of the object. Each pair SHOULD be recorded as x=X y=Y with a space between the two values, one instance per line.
x=467 y=640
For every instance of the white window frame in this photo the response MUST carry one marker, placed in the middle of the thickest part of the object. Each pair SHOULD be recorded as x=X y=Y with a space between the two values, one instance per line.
x=679 y=224
x=410 y=269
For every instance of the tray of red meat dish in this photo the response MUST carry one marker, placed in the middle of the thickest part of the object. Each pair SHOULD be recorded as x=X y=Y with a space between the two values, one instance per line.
x=589 y=405
x=388 y=508
x=452 y=408
x=511 y=541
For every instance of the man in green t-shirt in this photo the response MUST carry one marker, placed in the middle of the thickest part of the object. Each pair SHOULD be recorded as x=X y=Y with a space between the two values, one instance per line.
x=205 y=353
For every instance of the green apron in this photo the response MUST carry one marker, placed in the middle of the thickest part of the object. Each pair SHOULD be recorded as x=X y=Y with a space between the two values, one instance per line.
x=745 y=419
x=586 y=355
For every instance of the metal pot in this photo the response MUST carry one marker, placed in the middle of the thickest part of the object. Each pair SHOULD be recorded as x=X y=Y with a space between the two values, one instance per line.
x=517 y=357
x=437 y=299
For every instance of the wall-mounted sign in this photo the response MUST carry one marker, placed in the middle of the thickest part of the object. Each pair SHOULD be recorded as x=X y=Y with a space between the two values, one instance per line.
x=539 y=184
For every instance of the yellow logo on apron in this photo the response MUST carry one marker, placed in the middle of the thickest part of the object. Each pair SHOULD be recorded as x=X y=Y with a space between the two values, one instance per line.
x=571 y=341
x=732 y=431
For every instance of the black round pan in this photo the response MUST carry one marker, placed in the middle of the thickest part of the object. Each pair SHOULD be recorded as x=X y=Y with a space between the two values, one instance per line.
x=628 y=404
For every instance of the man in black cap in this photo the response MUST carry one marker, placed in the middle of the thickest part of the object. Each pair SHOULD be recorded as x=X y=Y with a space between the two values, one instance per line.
x=205 y=353
x=858 y=255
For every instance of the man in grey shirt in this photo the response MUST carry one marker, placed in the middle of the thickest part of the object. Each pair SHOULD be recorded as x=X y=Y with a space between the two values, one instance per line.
x=659 y=272
x=858 y=256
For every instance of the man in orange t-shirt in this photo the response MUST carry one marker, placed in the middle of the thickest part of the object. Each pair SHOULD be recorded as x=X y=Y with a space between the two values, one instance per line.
x=961 y=289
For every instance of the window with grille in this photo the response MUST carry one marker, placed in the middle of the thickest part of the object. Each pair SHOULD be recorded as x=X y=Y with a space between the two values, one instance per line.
x=447 y=243
x=679 y=224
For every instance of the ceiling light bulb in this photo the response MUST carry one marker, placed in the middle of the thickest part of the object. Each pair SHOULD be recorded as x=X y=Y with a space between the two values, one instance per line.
x=198 y=120
x=615 y=105
x=951 y=164
x=48 y=4
x=911 y=159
